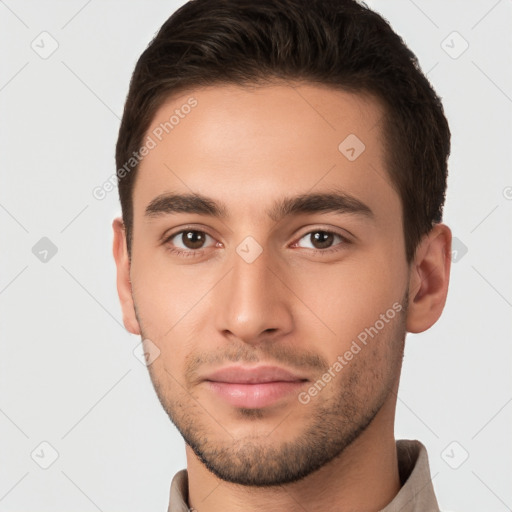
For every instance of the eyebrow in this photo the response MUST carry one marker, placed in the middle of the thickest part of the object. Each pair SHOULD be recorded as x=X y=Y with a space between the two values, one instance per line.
x=328 y=202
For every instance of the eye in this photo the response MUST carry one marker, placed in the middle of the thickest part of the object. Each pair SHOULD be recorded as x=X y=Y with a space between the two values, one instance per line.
x=322 y=240
x=192 y=242
x=188 y=242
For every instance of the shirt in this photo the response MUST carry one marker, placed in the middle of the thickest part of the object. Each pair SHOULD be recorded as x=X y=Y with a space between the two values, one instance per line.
x=416 y=493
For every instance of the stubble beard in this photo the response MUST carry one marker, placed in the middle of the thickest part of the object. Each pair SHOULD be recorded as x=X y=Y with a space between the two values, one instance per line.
x=330 y=425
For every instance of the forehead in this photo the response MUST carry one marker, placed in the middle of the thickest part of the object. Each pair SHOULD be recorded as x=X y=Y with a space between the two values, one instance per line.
x=244 y=144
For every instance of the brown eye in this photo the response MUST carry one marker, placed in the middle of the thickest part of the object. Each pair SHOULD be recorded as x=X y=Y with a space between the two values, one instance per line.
x=193 y=239
x=188 y=240
x=322 y=240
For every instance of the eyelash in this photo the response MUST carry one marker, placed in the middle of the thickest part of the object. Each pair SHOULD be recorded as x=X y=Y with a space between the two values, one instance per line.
x=192 y=253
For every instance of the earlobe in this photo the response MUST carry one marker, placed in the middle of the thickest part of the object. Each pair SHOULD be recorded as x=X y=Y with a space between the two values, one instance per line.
x=124 y=287
x=429 y=279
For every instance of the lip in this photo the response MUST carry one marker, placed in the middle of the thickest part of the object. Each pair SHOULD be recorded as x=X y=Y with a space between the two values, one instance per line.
x=253 y=388
x=255 y=375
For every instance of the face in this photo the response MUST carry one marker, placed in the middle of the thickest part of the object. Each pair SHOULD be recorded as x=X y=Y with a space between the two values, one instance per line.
x=274 y=292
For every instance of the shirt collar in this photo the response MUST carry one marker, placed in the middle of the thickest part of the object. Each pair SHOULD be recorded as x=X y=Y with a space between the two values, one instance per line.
x=178 y=500
x=417 y=492
x=415 y=495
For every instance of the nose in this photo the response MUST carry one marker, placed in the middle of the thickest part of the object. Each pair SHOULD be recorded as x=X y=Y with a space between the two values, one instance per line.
x=253 y=302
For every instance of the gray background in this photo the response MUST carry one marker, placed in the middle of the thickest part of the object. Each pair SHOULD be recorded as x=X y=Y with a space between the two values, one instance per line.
x=68 y=373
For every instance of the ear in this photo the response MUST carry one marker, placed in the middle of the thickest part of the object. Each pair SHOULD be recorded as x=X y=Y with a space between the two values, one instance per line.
x=124 y=285
x=428 y=279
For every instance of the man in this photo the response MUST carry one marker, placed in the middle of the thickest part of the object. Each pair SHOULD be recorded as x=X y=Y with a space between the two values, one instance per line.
x=282 y=171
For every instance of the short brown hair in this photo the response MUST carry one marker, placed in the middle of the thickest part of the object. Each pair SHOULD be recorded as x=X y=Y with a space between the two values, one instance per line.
x=339 y=43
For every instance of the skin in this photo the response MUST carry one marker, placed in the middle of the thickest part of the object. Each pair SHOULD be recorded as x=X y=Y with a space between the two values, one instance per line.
x=291 y=307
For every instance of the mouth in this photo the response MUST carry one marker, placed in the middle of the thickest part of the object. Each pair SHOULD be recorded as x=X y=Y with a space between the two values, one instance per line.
x=254 y=388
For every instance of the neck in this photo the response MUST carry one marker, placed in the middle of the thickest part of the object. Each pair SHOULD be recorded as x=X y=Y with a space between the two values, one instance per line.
x=363 y=477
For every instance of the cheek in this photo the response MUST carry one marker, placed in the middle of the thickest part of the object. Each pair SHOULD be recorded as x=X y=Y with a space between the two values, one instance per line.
x=164 y=292
x=350 y=296
x=166 y=300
